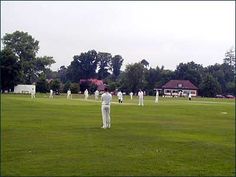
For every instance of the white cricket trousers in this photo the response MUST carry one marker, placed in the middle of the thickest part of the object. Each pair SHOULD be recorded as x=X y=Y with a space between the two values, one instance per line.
x=156 y=101
x=140 y=101
x=106 y=119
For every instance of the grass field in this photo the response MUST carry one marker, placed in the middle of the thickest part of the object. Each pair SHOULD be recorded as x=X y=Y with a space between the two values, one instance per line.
x=60 y=137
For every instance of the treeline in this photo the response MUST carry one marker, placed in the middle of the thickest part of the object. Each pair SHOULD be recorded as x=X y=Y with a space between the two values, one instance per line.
x=19 y=64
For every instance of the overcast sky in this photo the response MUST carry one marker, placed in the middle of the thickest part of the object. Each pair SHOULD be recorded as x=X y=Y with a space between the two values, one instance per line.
x=163 y=33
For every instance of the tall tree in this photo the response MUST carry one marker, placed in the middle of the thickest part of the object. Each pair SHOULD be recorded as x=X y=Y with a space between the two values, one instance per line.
x=42 y=64
x=151 y=77
x=145 y=63
x=42 y=84
x=25 y=47
x=134 y=77
x=87 y=64
x=62 y=74
x=210 y=86
x=230 y=58
x=55 y=85
x=74 y=72
x=116 y=63
x=104 y=62
x=189 y=71
x=10 y=69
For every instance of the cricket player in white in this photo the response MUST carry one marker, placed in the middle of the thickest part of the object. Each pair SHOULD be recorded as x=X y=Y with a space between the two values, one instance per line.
x=51 y=93
x=140 y=96
x=120 y=96
x=106 y=101
x=157 y=95
x=32 y=93
x=96 y=93
x=86 y=94
x=131 y=95
x=189 y=96
x=69 y=96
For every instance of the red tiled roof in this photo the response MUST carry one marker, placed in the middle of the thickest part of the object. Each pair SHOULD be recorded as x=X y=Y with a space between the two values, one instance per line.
x=93 y=81
x=176 y=84
x=101 y=87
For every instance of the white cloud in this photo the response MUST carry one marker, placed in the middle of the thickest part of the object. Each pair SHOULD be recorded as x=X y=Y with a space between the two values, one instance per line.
x=165 y=33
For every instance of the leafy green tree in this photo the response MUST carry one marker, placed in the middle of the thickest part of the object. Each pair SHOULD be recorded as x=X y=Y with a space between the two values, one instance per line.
x=88 y=64
x=189 y=71
x=74 y=72
x=116 y=63
x=66 y=86
x=133 y=77
x=104 y=62
x=74 y=88
x=223 y=74
x=144 y=63
x=165 y=76
x=230 y=58
x=209 y=86
x=83 y=66
x=42 y=84
x=93 y=88
x=42 y=64
x=55 y=85
x=85 y=85
x=151 y=77
x=10 y=69
x=230 y=88
x=25 y=47
x=62 y=74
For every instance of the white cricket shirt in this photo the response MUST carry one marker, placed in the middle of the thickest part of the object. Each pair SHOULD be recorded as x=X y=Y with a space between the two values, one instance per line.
x=106 y=98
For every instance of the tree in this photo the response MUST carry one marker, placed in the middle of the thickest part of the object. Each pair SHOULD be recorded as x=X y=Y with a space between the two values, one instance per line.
x=223 y=74
x=62 y=74
x=55 y=85
x=74 y=71
x=42 y=64
x=144 y=63
x=230 y=58
x=74 y=88
x=189 y=71
x=151 y=77
x=230 y=88
x=88 y=64
x=10 y=69
x=116 y=63
x=165 y=76
x=42 y=84
x=104 y=62
x=25 y=47
x=66 y=86
x=83 y=66
x=210 y=86
x=134 y=77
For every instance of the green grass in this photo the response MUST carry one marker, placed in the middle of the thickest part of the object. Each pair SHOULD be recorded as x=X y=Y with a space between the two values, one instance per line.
x=60 y=137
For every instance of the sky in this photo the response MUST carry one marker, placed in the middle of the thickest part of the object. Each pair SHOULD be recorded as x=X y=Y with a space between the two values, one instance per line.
x=163 y=33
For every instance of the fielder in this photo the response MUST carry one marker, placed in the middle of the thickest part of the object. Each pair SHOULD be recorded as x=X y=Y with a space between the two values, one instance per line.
x=189 y=96
x=69 y=95
x=86 y=94
x=140 y=97
x=131 y=95
x=106 y=101
x=157 y=95
x=96 y=94
x=120 y=96
x=51 y=93
x=32 y=94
